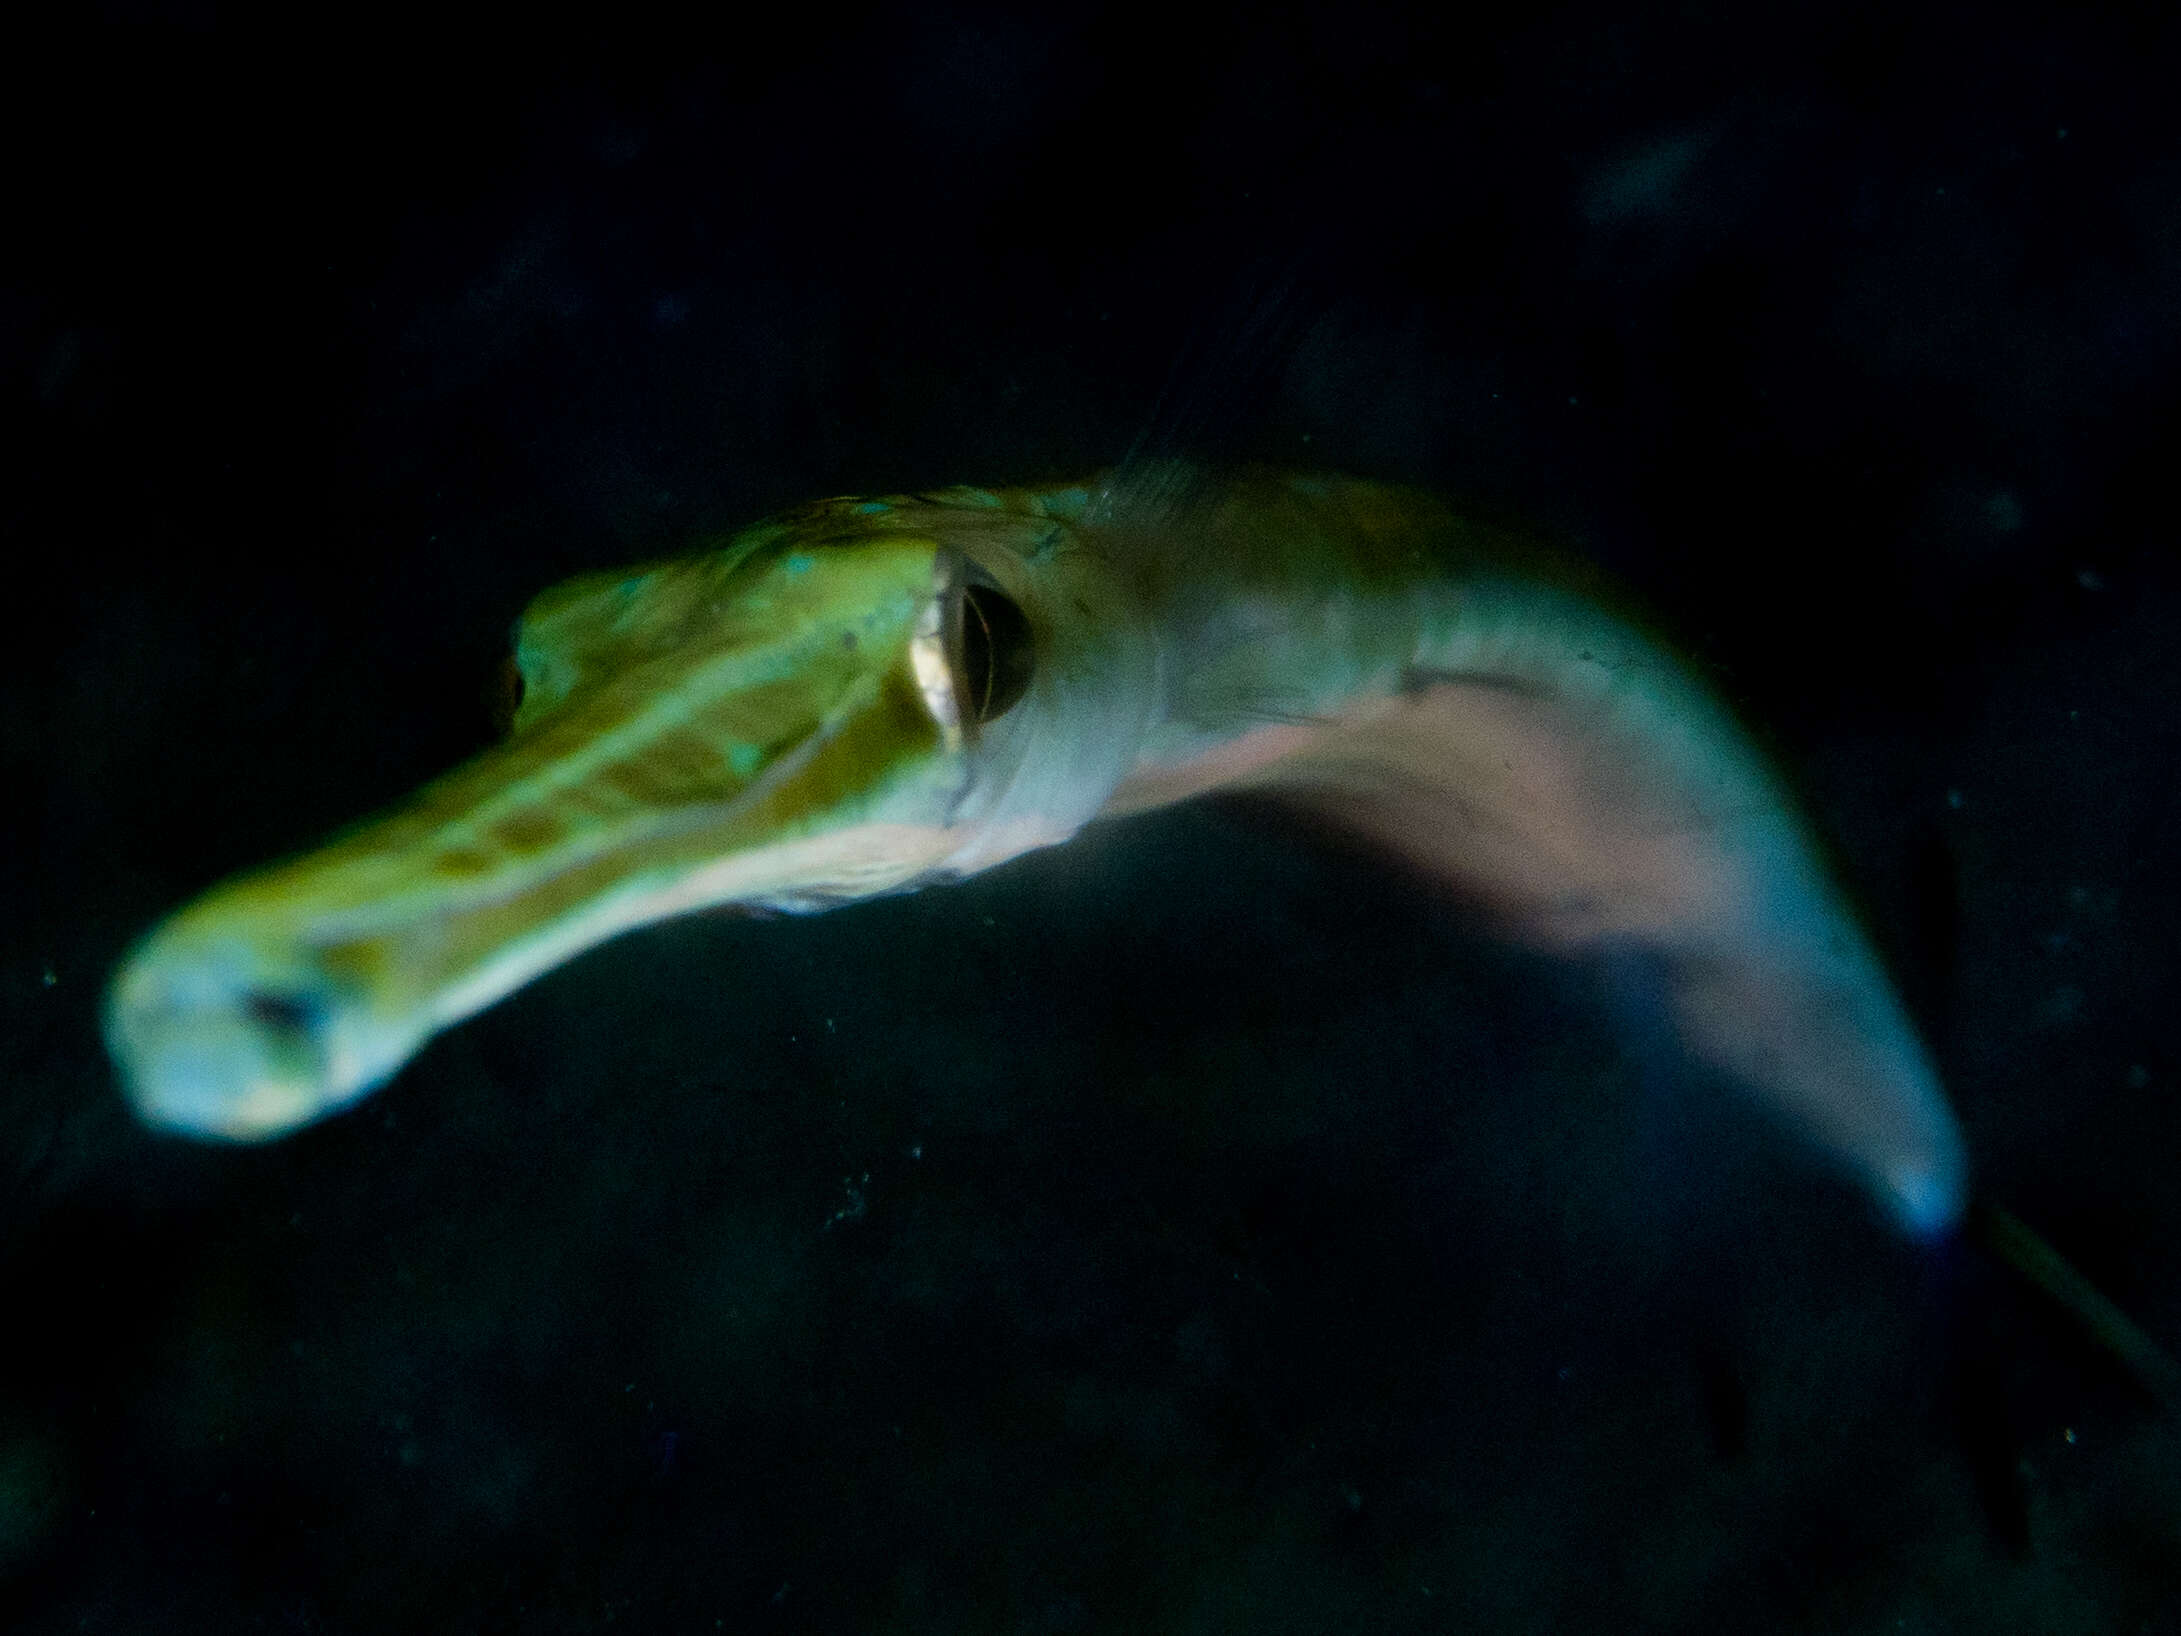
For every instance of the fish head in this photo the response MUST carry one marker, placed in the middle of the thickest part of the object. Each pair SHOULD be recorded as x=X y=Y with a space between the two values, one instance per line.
x=854 y=699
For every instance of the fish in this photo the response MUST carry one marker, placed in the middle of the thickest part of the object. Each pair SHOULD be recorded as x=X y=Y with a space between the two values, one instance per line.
x=871 y=695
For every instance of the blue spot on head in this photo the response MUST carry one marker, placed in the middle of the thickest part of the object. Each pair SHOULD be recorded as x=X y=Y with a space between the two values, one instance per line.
x=743 y=758
x=871 y=508
x=799 y=563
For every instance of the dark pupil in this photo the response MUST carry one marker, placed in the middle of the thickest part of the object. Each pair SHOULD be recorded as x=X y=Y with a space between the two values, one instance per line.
x=504 y=696
x=996 y=657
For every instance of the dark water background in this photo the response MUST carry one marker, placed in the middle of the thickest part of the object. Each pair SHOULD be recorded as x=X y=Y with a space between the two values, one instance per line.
x=1192 y=1229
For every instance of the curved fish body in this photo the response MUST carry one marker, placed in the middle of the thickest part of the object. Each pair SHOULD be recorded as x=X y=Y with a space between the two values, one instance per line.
x=867 y=696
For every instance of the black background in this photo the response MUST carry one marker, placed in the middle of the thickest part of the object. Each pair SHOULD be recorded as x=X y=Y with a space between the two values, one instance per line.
x=1191 y=1229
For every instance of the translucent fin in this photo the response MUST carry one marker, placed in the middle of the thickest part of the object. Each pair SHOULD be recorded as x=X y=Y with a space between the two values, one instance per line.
x=1635 y=820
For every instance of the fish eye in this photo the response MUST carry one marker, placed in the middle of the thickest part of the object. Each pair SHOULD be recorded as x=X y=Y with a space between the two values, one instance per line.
x=504 y=694
x=973 y=653
x=997 y=656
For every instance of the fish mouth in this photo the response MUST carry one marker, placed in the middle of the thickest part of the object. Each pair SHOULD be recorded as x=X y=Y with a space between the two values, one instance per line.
x=215 y=1040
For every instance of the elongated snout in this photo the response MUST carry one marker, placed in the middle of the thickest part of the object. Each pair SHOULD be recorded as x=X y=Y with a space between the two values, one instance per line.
x=752 y=726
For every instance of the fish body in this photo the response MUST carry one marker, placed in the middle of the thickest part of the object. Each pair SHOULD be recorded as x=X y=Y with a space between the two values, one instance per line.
x=871 y=695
